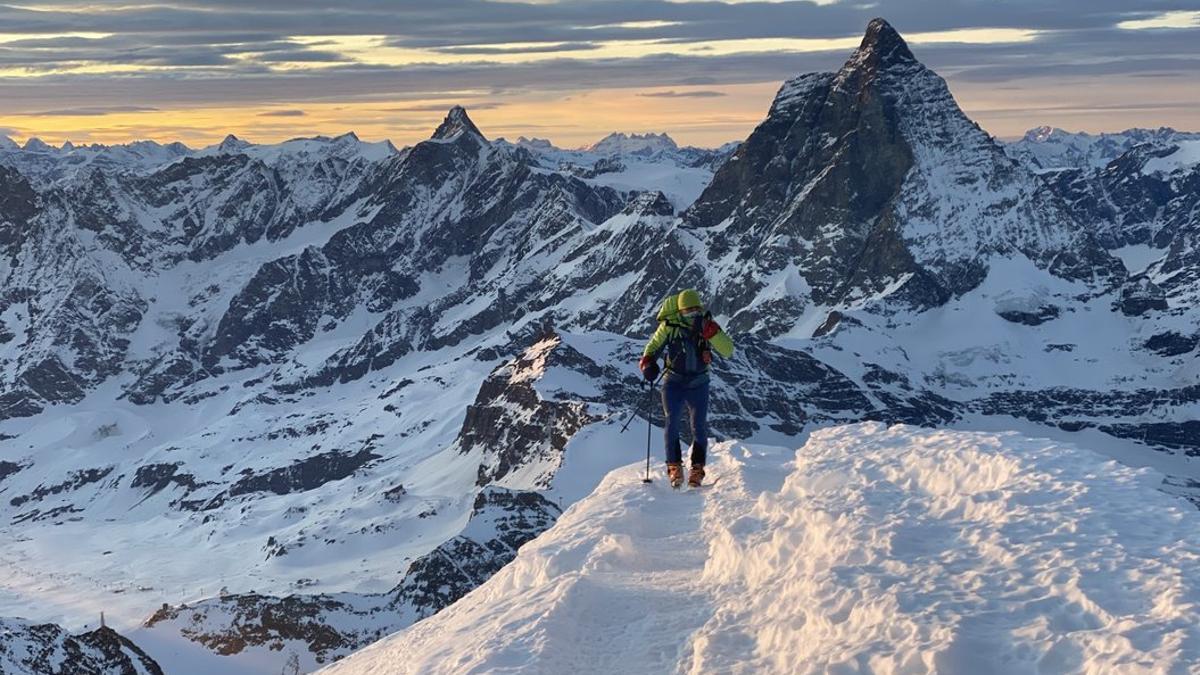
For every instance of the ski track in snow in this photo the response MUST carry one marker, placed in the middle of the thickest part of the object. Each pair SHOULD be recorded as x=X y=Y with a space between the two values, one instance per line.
x=870 y=549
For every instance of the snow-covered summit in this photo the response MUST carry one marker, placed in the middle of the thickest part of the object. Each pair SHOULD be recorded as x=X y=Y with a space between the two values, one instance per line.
x=456 y=122
x=1184 y=154
x=308 y=149
x=36 y=144
x=539 y=144
x=232 y=144
x=619 y=143
x=870 y=548
x=882 y=46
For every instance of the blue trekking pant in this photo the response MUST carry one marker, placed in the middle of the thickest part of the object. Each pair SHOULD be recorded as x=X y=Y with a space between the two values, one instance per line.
x=676 y=394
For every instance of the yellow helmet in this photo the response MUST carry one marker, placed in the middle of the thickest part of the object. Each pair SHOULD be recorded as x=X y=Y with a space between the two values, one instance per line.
x=689 y=299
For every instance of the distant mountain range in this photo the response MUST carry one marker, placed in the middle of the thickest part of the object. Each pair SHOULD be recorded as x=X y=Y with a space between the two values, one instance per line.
x=290 y=398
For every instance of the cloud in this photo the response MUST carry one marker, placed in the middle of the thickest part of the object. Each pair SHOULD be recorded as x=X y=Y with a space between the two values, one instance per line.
x=299 y=56
x=549 y=47
x=282 y=113
x=442 y=107
x=88 y=111
x=231 y=52
x=684 y=94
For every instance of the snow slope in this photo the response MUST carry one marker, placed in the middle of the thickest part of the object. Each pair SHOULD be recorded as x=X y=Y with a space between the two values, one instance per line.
x=870 y=549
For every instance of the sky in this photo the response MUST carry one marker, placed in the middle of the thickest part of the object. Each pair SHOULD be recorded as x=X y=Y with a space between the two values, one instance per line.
x=571 y=71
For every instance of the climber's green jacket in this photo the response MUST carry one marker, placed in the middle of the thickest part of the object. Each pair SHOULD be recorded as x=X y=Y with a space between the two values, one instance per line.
x=677 y=334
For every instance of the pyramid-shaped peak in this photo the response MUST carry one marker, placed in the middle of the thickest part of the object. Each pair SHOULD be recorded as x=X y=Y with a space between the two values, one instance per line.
x=456 y=122
x=882 y=45
x=232 y=144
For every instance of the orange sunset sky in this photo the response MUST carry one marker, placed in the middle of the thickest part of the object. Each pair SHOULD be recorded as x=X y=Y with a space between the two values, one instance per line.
x=567 y=70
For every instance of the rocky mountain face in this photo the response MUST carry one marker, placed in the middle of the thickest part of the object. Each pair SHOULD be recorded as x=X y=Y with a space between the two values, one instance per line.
x=1147 y=197
x=337 y=384
x=47 y=649
x=843 y=193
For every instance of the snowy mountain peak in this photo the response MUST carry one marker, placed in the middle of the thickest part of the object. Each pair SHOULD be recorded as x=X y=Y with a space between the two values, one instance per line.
x=1051 y=148
x=232 y=144
x=619 y=143
x=7 y=143
x=36 y=144
x=539 y=144
x=882 y=46
x=457 y=121
x=1043 y=133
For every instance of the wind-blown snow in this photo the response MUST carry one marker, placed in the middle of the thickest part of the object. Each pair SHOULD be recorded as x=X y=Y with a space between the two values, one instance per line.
x=1187 y=154
x=869 y=549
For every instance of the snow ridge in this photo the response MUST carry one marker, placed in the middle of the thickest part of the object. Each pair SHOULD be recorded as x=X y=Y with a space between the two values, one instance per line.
x=870 y=548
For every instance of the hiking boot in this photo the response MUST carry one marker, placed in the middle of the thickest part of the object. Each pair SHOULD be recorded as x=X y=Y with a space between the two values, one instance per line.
x=675 y=474
x=696 y=475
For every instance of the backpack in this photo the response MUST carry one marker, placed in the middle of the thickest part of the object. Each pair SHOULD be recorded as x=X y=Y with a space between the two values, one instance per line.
x=687 y=352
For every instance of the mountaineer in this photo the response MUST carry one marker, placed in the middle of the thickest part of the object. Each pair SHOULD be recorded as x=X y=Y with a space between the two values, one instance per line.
x=688 y=336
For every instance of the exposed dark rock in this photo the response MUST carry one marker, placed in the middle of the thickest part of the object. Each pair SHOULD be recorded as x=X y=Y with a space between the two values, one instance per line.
x=156 y=477
x=48 y=649
x=1183 y=436
x=1036 y=318
x=173 y=370
x=830 y=324
x=76 y=480
x=512 y=425
x=305 y=474
x=18 y=206
x=263 y=620
x=456 y=122
x=332 y=626
x=604 y=165
x=1171 y=343
x=1140 y=296
x=502 y=522
x=8 y=468
x=650 y=204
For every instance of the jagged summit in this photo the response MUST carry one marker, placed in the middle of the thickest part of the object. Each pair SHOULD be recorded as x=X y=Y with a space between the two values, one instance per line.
x=622 y=143
x=457 y=121
x=882 y=46
x=1043 y=133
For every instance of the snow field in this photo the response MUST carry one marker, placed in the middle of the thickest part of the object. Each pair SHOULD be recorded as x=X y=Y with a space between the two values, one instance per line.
x=870 y=549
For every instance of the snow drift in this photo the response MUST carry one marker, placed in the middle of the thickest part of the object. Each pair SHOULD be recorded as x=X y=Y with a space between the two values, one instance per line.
x=869 y=549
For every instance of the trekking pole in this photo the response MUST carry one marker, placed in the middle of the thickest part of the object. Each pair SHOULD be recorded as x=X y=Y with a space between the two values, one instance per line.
x=633 y=409
x=649 y=407
x=649 y=422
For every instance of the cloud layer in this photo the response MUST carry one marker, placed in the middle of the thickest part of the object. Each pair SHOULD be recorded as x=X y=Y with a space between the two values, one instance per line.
x=136 y=60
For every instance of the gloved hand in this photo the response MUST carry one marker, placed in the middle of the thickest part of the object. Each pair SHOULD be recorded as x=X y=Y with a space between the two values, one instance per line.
x=649 y=367
x=709 y=328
